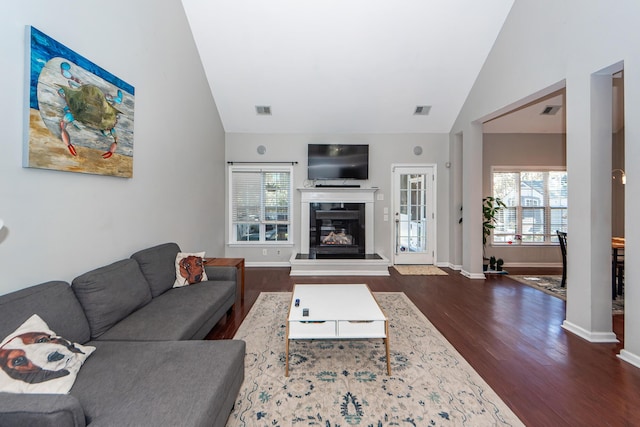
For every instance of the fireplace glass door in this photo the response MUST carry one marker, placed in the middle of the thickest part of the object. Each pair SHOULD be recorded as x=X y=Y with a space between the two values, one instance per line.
x=336 y=230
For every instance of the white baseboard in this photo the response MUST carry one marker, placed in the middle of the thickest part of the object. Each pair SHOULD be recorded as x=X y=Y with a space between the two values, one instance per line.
x=439 y=264
x=534 y=264
x=479 y=276
x=268 y=264
x=597 y=337
x=629 y=357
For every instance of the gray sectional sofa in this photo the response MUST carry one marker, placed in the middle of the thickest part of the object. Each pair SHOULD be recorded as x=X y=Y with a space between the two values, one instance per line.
x=150 y=366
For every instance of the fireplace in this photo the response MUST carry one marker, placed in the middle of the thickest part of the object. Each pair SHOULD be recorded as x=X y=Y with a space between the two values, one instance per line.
x=350 y=249
x=337 y=230
x=347 y=212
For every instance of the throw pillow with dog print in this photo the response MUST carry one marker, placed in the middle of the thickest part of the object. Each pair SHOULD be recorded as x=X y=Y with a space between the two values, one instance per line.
x=34 y=359
x=189 y=269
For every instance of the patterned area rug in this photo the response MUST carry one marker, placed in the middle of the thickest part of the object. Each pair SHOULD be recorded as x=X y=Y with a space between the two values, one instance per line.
x=420 y=270
x=551 y=286
x=335 y=383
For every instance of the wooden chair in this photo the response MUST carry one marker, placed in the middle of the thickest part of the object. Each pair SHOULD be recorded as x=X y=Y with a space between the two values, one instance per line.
x=562 y=238
x=617 y=280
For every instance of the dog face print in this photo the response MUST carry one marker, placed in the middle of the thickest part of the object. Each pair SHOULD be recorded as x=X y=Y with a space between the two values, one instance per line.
x=35 y=357
x=191 y=268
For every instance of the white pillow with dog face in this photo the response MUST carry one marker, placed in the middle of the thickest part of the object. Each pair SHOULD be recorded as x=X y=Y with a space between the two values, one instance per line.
x=33 y=359
x=189 y=269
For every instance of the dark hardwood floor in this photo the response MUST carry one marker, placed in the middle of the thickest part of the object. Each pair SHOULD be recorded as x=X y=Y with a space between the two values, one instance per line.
x=510 y=333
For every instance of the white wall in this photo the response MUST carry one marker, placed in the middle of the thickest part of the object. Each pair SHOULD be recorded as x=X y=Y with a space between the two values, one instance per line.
x=543 y=46
x=385 y=150
x=59 y=224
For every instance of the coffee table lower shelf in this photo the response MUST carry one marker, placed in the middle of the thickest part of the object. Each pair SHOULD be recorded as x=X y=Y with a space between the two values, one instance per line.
x=384 y=340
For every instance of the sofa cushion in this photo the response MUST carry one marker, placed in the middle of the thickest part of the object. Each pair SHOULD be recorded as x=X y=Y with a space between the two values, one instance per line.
x=158 y=266
x=189 y=269
x=40 y=410
x=54 y=302
x=178 y=314
x=171 y=383
x=110 y=293
x=34 y=359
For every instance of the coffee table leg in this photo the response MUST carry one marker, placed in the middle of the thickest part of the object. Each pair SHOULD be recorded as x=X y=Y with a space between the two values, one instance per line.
x=386 y=344
x=286 y=355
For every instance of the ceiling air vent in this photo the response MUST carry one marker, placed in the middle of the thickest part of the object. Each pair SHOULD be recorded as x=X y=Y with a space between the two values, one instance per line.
x=422 y=110
x=263 y=110
x=551 y=110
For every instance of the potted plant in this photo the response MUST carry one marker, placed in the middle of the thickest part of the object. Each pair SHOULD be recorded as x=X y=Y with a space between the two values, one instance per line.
x=495 y=264
x=490 y=208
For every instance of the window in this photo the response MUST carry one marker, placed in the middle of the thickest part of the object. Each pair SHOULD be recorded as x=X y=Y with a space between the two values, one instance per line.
x=260 y=204
x=536 y=206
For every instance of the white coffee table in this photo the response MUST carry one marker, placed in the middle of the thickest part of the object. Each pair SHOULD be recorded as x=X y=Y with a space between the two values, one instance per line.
x=335 y=312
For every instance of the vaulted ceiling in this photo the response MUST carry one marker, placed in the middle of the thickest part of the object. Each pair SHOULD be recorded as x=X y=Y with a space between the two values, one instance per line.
x=349 y=66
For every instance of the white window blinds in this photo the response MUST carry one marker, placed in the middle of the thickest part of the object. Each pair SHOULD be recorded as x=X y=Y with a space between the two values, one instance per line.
x=260 y=204
x=536 y=206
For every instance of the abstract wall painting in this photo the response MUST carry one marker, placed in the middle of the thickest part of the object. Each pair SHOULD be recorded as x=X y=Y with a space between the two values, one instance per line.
x=80 y=116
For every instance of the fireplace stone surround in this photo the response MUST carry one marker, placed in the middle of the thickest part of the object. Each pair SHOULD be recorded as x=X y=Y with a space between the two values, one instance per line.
x=366 y=262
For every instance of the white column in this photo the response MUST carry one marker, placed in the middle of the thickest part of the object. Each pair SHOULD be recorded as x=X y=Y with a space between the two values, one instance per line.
x=455 y=202
x=589 y=136
x=472 y=202
x=631 y=352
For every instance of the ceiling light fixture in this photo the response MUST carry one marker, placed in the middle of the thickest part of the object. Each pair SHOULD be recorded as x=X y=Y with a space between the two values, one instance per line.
x=550 y=110
x=263 y=110
x=422 y=110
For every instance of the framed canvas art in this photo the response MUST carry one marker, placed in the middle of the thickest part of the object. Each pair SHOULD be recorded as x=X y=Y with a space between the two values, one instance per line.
x=80 y=116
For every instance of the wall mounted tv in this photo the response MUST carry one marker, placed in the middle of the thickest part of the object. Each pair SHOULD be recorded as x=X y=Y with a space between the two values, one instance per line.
x=338 y=161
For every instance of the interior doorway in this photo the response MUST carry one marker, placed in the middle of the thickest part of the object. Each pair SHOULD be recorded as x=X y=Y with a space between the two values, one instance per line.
x=618 y=174
x=618 y=185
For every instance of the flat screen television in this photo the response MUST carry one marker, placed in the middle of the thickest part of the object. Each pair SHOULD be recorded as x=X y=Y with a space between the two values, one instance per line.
x=338 y=161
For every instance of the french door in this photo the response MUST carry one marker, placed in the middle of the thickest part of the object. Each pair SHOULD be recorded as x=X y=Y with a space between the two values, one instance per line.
x=414 y=215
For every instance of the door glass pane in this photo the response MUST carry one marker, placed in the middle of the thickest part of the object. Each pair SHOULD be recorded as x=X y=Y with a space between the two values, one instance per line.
x=412 y=225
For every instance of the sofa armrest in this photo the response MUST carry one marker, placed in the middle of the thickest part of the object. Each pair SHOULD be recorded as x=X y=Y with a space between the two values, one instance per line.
x=221 y=273
x=40 y=410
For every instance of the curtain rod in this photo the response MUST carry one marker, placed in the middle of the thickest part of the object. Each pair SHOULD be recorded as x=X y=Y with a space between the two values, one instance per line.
x=260 y=163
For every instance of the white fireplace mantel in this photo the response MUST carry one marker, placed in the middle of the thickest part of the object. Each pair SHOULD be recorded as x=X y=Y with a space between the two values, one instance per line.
x=337 y=195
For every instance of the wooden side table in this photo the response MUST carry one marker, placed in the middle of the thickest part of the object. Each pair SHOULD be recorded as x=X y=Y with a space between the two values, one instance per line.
x=238 y=263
